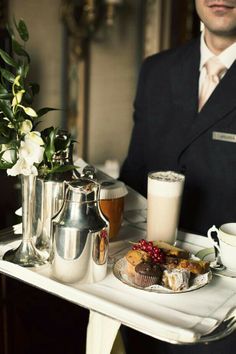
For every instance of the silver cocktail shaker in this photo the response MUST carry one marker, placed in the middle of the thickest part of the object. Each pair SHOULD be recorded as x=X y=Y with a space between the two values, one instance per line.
x=49 y=198
x=80 y=235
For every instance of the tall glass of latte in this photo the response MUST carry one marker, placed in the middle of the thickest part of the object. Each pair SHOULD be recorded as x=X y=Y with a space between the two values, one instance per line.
x=165 y=189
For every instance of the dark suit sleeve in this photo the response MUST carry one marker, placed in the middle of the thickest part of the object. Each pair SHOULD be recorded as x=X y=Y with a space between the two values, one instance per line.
x=134 y=171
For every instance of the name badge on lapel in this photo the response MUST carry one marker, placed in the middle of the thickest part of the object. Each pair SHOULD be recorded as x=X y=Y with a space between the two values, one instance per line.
x=230 y=138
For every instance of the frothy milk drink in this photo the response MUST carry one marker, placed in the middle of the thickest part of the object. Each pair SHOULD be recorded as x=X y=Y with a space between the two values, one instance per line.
x=164 y=201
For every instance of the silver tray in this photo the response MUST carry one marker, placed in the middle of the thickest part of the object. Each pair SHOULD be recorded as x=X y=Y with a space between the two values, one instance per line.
x=119 y=270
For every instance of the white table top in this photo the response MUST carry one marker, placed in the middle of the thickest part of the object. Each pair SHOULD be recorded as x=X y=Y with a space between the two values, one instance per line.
x=176 y=318
x=181 y=318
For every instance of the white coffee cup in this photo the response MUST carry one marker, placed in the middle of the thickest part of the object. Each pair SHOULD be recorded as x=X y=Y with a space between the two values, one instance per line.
x=165 y=190
x=226 y=235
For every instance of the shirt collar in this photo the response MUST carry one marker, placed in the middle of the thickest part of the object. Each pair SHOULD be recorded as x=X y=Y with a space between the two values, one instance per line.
x=227 y=57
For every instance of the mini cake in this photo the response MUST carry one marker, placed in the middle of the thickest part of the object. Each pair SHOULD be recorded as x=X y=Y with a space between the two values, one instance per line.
x=147 y=274
x=171 y=263
x=176 y=279
x=194 y=266
x=133 y=258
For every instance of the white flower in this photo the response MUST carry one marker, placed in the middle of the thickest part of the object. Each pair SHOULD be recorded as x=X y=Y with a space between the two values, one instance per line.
x=35 y=146
x=29 y=111
x=22 y=167
x=17 y=81
x=25 y=126
x=30 y=152
x=17 y=98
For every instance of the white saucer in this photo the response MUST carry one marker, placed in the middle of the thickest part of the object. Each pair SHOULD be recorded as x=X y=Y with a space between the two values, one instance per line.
x=208 y=255
x=225 y=273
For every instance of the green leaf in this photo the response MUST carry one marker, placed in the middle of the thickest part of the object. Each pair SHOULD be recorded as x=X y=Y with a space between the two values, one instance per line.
x=7 y=75
x=7 y=59
x=3 y=126
x=10 y=31
x=6 y=109
x=23 y=69
x=6 y=134
x=63 y=168
x=50 y=147
x=6 y=96
x=19 y=50
x=41 y=112
x=5 y=130
x=22 y=30
x=3 y=89
x=4 y=140
x=46 y=132
x=5 y=165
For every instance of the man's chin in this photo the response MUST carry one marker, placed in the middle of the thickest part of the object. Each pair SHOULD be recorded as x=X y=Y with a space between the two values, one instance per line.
x=224 y=32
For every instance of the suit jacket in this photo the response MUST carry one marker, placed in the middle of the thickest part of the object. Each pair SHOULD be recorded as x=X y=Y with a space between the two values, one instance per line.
x=170 y=134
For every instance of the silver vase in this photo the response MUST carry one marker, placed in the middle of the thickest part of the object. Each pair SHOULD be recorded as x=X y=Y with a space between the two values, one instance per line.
x=49 y=198
x=26 y=254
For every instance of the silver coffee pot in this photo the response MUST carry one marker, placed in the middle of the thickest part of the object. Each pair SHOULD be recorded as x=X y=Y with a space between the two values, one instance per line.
x=80 y=235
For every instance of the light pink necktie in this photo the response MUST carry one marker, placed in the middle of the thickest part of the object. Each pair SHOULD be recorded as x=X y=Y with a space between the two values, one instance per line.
x=214 y=69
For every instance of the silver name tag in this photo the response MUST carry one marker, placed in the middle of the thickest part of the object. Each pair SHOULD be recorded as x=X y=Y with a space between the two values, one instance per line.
x=231 y=138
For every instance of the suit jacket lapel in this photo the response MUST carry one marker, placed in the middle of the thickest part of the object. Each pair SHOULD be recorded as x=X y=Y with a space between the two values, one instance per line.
x=221 y=102
x=184 y=81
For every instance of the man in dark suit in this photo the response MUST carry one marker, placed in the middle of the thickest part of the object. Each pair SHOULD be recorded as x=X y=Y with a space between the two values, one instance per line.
x=171 y=131
x=170 y=134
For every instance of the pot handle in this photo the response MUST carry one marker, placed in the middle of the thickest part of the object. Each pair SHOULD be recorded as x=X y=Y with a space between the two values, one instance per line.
x=214 y=243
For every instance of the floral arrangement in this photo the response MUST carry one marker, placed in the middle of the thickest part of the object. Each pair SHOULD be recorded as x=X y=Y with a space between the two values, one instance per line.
x=23 y=149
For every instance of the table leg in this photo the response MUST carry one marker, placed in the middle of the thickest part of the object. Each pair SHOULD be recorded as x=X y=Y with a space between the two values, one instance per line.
x=101 y=333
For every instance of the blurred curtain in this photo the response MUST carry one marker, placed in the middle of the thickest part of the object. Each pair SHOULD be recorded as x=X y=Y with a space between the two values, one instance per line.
x=168 y=23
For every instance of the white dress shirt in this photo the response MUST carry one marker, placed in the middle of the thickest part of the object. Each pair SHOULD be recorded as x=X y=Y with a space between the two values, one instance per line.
x=227 y=57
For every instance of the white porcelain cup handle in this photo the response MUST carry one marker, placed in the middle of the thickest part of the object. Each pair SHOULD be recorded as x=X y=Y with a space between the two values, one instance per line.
x=213 y=229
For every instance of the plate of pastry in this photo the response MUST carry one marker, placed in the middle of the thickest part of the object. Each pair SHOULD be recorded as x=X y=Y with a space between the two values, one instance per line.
x=162 y=268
